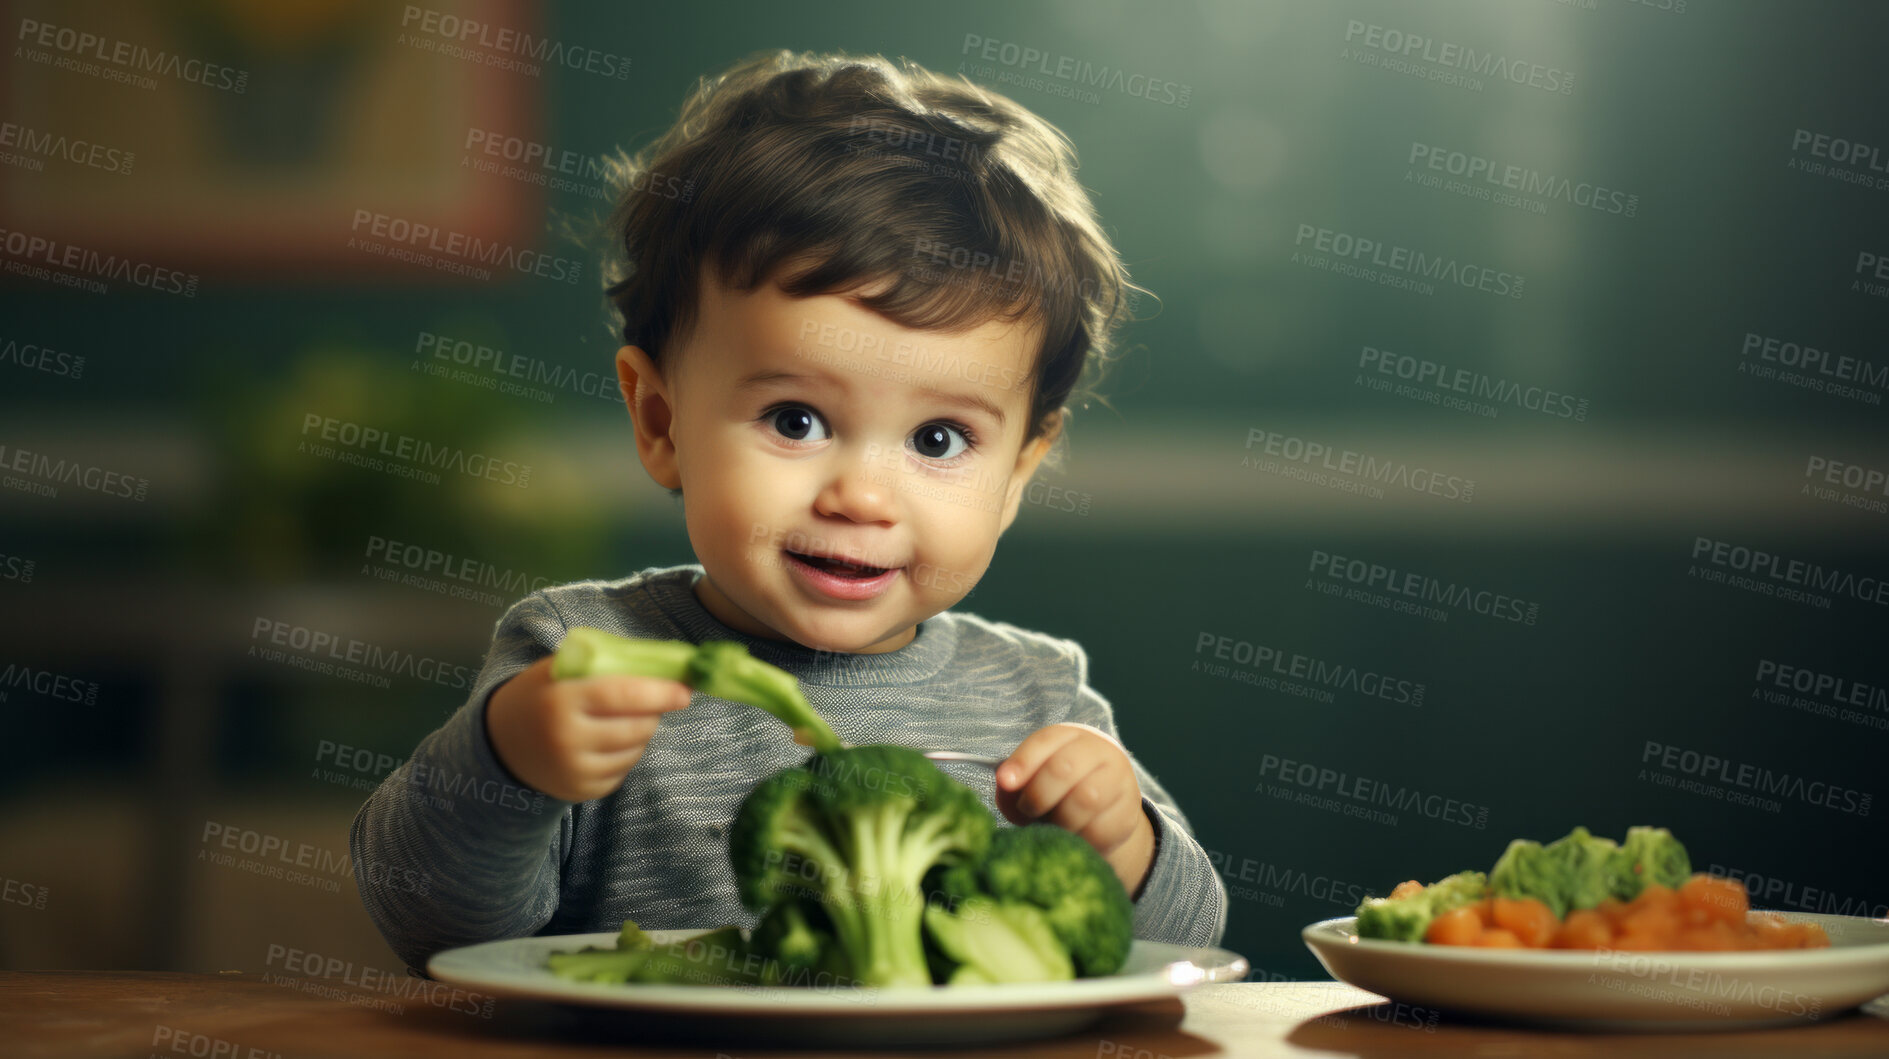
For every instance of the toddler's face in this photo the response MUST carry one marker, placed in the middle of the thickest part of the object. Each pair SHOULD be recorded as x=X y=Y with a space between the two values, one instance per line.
x=843 y=477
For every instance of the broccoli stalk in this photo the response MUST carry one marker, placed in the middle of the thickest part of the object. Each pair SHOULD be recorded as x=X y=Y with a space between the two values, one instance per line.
x=719 y=957
x=855 y=831
x=722 y=668
x=725 y=669
x=615 y=965
x=1406 y=918
x=592 y=964
x=990 y=941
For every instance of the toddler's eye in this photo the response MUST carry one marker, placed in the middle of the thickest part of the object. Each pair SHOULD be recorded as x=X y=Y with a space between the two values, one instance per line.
x=800 y=424
x=936 y=441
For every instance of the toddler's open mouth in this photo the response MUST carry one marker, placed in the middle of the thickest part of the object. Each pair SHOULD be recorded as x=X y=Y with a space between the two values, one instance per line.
x=840 y=567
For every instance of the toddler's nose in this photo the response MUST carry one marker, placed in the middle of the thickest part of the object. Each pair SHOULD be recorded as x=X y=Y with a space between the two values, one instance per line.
x=862 y=489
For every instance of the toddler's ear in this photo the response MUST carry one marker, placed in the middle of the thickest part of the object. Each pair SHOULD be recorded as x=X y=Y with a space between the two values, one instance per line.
x=651 y=413
x=1027 y=460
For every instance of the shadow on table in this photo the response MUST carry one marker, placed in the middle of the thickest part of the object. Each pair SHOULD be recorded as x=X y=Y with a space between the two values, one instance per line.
x=1143 y=1029
x=1392 y=1030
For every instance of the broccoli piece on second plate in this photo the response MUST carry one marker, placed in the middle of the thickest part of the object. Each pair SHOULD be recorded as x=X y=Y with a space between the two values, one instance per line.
x=1583 y=862
x=1407 y=917
x=1526 y=869
x=1571 y=872
x=1649 y=855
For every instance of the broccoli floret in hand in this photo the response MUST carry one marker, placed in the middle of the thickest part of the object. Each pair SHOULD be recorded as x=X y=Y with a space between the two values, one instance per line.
x=855 y=831
x=725 y=669
x=1406 y=917
x=722 y=668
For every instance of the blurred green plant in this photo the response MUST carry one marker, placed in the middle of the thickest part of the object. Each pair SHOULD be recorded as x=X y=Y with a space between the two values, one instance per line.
x=284 y=513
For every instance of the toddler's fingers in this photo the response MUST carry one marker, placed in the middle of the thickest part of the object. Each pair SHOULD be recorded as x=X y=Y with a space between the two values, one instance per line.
x=619 y=696
x=1007 y=805
x=611 y=734
x=606 y=764
x=1091 y=795
x=1021 y=767
x=1113 y=826
x=535 y=675
x=1050 y=789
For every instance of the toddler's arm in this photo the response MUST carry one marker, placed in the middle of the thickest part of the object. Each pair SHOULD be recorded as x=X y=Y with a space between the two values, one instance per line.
x=1183 y=899
x=474 y=845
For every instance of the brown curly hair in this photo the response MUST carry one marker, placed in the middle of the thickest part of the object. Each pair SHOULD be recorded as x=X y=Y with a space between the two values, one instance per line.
x=834 y=173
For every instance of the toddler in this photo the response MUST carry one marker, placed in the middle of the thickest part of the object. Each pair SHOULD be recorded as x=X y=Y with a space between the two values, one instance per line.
x=855 y=298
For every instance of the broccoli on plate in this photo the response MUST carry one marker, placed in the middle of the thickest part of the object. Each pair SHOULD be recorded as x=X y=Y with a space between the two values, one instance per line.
x=855 y=831
x=1404 y=916
x=1044 y=867
x=868 y=865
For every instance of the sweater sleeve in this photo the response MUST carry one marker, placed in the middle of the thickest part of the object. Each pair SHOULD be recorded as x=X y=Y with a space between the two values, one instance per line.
x=1183 y=899
x=450 y=849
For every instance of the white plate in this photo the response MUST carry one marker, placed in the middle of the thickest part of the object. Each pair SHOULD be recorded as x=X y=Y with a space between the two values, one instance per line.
x=954 y=1015
x=1612 y=989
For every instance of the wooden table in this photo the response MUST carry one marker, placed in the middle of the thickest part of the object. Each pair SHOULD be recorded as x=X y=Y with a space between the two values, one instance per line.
x=242 y=1016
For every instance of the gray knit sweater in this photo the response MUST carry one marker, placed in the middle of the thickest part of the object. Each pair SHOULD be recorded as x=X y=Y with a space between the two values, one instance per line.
x=452 y=850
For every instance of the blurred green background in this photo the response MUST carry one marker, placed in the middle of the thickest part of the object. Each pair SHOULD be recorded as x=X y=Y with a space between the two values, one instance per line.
x=163 y=727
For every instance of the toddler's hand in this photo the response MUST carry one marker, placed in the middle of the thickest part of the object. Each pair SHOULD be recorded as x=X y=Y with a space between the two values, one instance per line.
x=576 y=739
x=1079 y=779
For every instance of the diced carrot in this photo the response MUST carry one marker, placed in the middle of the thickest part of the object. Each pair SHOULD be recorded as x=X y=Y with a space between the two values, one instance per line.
x=1706 y=914
x=1641 y=941
x=1652 y=917
x=1648 y=924
x=1803 y=936
x=1708 y=898
x=1715 y=937
x=1405 y=888
x=1767 y=930
x=1656 y=896
x=1583 y=929
x=1528 y=919
x=1459 y=926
